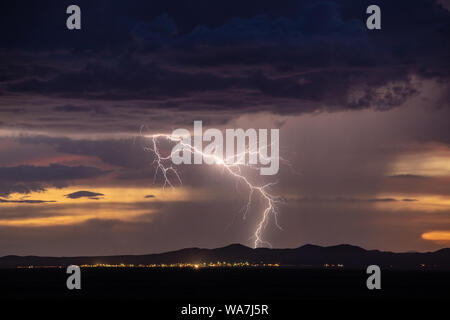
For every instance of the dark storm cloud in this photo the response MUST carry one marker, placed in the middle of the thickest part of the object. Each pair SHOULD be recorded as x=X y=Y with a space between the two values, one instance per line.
x=127 y=79
x=130 y=80
x=84 y=194
x=331 y=33
x=294 y=56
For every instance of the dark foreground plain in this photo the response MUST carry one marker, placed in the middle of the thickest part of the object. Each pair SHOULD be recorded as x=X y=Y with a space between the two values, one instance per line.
x=165 y=291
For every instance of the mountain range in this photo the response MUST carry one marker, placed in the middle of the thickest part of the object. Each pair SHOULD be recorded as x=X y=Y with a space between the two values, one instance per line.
x=307 y=256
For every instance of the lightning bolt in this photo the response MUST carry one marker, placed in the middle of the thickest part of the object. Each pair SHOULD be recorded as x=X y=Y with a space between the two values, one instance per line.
x=162 y=166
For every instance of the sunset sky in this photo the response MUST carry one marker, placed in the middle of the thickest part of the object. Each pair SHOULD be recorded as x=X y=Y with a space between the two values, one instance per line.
x=364 y=119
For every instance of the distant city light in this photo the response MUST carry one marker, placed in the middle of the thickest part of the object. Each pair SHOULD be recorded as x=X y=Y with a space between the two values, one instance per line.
x=218 y=264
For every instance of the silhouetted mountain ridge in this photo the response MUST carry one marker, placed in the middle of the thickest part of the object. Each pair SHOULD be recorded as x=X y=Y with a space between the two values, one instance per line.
x=308 y=256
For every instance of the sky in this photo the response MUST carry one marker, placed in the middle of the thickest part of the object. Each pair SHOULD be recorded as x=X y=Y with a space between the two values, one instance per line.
x=364 y=120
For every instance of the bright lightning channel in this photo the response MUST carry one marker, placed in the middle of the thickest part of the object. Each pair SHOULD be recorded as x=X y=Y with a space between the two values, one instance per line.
x=232 y=169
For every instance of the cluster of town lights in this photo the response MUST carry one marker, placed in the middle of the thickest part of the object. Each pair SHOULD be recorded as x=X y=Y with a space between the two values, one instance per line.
x=217 y=264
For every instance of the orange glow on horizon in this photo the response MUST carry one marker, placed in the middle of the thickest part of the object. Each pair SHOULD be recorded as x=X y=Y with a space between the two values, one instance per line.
x=436 y=236
x=414 y=202
x=432 y=163
x=110 y=195
x=120 y=203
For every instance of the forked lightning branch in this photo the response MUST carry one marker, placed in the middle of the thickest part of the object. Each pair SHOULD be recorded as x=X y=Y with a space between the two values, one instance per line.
x=249 y=149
